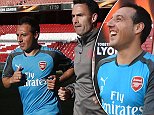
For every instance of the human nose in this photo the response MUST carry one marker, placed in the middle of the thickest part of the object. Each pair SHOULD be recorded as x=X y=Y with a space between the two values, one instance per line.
x=75 y=20
x=19 y=38
x=110 y=23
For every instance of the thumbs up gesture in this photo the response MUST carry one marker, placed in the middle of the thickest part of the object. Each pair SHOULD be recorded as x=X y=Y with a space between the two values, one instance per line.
x=16 y=76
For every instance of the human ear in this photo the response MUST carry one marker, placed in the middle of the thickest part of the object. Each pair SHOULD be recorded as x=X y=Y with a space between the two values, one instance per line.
x=94 y=17
x=36 y=35
x=139 y=27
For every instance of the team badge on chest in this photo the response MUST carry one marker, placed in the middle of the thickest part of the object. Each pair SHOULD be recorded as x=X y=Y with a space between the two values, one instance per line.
x=137 y=83
x=42 y=65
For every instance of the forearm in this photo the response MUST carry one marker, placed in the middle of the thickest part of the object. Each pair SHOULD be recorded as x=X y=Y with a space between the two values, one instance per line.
x=67 y=74
x=6 y=82
x=71 y=88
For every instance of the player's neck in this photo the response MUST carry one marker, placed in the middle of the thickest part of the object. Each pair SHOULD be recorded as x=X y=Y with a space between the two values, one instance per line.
x=126 y=57
x=32 y=51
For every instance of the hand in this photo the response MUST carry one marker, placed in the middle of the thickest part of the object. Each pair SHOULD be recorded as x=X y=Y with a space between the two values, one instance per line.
x=16 y=76
x=95 y=100
x=51 y=82
x=64 y=93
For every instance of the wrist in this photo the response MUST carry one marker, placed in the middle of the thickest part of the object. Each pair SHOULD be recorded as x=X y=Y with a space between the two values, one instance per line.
x=10 y=80
x=70 y=91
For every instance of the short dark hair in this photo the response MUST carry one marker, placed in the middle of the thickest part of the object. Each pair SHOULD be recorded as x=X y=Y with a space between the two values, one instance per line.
x=32 y=22
x=141 y=15
x=92 y=5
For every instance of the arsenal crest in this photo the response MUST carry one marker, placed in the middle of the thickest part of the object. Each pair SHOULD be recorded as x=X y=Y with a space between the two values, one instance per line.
x=137 y=83
x=42 y=65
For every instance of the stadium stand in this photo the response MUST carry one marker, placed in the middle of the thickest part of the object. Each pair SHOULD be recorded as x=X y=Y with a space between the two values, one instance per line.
x=66 y=48
x=56 y=28
x=7 y=29
x=63 y=31
x=45 y=28
x=148 y=45
x=8 y=39
x=44 y=2
x=30 y=2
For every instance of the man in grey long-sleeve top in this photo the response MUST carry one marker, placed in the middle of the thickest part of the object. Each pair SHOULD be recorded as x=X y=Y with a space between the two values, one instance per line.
x=84 y=18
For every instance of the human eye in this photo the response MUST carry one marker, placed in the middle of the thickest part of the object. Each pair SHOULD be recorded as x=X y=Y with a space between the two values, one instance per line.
x=80 y=15
x=73 y=16
x=119 y=19
x=24 y=34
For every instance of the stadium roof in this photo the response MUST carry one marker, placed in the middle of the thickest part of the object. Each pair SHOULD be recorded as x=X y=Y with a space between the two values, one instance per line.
x=9 y=6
